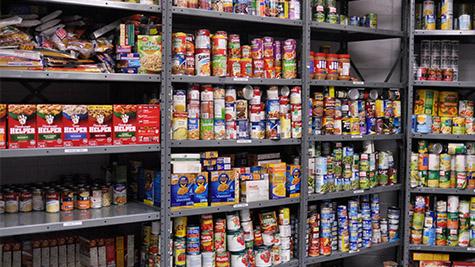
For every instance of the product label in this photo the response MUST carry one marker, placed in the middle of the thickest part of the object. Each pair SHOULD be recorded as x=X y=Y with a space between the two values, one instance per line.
x=75 y=125
x=100 y=125
x=148 y=124
x=125 y=124
x=3 y=126
x=21 y=126
x=50 y=125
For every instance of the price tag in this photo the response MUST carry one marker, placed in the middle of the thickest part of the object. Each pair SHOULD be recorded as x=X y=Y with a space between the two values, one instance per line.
x=73 y=223
x=76 y=150
x=358 y=82
x=359 y=191
x=238 y=79
x=356 y=136
x=244 y=141
x=241 y=205
x=470 y=249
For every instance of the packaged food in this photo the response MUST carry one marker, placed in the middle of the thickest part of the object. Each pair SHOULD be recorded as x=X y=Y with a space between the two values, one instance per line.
x=100 y=125
x=148 y=124
x=149 y=48
x=22 y=126
x=125 y=124
x=293 y=180
x=3 y=126
x=222 y=188
x=75 y=123
x=200 y=190
x=277 y=180
x=182 y=190
x=50 y=125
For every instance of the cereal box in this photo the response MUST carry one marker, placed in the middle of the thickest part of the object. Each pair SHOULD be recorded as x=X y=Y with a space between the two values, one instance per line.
x=75 y=125
x=3 y=126
x=125 y=124
x=100 y=124
x=21 y=126
x=277 y=180
x=293 y=180
x=149 y=48
x=222 y=188
x=49 y=124
x=148 y=124
x=182 y=189
x=200 y=190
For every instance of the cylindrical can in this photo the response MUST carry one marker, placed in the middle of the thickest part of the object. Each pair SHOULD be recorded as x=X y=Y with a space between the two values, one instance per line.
x=235 y=241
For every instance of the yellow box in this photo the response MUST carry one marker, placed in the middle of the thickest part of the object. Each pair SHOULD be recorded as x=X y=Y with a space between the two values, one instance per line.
x=277 y=180
x=223 y=188
x=209 y=155
x=430 y=257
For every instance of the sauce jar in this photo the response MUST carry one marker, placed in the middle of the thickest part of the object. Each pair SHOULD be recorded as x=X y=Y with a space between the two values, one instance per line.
x=119 y=194
x=332 y=66
x=38 y=197
x=106 y=195
x=320 y=65
x=52 y=201
x=344 y=67
x=84 y=199
x=67 y=200
x=96 y=197
x=26 y=201
x=11 y=201
x=2 y=202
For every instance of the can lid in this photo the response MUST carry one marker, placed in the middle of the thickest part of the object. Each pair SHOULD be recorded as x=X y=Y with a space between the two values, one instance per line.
x=373 y=94
x=353 y=94
x=284 y=91
x=247 y=92
x=436 y=148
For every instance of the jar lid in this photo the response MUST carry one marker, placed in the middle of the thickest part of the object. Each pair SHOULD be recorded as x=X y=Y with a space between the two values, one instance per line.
x=344 y=55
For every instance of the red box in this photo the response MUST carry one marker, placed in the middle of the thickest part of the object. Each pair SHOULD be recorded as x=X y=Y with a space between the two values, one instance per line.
x=49 y=124
x=21 y=126
x=3 y=126
x=100 y=125
x=75 y=125
x=125 y=124
x=148 y=124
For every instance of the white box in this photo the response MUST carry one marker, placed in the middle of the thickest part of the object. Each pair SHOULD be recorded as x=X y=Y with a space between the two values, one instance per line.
x=186 y=167
x=252 y=191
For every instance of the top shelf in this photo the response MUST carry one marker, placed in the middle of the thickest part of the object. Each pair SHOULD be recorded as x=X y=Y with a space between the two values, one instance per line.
x=464 y=36
x=337 y=32
x=195 y=12
x=104 y=4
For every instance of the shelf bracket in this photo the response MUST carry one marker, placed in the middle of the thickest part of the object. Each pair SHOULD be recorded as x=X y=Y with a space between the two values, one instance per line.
x=35 y=92
x=353 y=65
x=393 y=68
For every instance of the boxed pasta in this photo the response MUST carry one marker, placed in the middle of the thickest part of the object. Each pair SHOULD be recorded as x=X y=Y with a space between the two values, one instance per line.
x=222 y=188
x=277 y=180
x=49 y=124
x=149 y=48
x=100 y=124
x=21 y=126
x=182 y=189
x=75 y=125
x=148 y=124
x=200 y=190
x=125 y=124
x=3 y=126
x=294 y=175
x=254 y=190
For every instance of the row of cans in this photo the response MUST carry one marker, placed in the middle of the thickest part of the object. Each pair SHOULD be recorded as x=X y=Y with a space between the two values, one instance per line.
x=284 y=9
x=425 y=124
x=437 y=60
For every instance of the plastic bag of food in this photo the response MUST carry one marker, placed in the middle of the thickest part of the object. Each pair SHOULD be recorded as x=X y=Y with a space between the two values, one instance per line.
x=10 y=21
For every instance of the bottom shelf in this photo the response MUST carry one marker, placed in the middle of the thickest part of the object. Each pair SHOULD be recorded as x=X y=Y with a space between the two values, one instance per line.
x=291 y=263
x=442 y=249
x=40 y=222
x=342 y=255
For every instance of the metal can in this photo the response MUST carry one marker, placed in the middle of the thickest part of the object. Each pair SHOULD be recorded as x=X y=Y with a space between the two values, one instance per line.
x=52 y=201
x=25 y=201
x=96 y=197
x=106 y=195
x=67 y=200
x=263 y=257
x=38 y=199
x=119 y=194
x=84 y=199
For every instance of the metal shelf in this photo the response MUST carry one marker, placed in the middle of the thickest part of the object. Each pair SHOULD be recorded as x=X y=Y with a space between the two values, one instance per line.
x=41 y=222
x=341 y=255
x=103 y=4
x=236 y=207
x=350 y=138
x=231 y=80
x=442 y=191
x=359 y=84
x=234 y=143
x=451 y=137
x=354 y=193
x=441 y=248
x=463 y=36
x=79 y=76
x=459 y=84
x=337 y=32
x=194 y=12
x=74 y=151
x=291 y=263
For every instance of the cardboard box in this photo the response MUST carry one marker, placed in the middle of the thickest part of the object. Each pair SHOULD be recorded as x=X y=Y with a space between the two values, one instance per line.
x=22 y=126
x=252 y=191
x=277 y=180
x=7 y=255
x=110 y=252
x=36 y=245
x=44 y=253
x=434 y=264
x=462 y=264
x=62 y=252
x=157 y=193
x=101 y=253
x=88 y=252
x=186 y=166
x=120 y=251
x=294 y=177
x=99 y=125
x=71 y=251
x=149 y=187
x=125 y=124
x=149 y=48
x=222 y=188
x=130 y=257
x=3 y=126
x=26 y=253
x=75 y=125
x=16 y=255
x=148 y=124
x=182 y=189
x=417 y=256
x=200 y=190
x=53 y=252
x=49 y=124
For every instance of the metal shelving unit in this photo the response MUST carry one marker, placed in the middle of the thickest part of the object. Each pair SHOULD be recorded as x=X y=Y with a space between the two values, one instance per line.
x=41 y=222
x=304 y=29
x=414 y=36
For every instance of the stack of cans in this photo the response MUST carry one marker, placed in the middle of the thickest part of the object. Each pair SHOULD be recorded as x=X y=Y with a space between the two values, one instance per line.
x=441 y=224
x=313 y=232
x=343 y=229
x=326 y=224
x=472 y=222
x=193 y=250
x=375 y=219
x=366 y=220
x=354 y=225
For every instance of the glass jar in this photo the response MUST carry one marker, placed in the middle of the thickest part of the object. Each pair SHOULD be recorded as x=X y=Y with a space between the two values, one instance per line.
x=332 y=66
x=84 y=198
x=344 y=67
x=320 y=66
x=26 y=201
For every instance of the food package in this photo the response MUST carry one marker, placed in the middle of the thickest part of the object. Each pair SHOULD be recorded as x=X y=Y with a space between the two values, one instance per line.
x=22 y=126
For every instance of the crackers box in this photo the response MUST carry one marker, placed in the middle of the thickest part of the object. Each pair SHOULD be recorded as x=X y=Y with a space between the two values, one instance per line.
x=148 y=124
x=125 y=124
x=222 y=187
x=49 y=124
x=75 y=125
x=22 y=126
x=200 y=190
x=100 y=124
x=182 y=189
x=3 y=126
x=294 y=176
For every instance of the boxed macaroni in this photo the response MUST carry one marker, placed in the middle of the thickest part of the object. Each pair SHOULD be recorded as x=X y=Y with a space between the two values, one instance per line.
x=49 y=125
x=75 y=123
x=182 y=189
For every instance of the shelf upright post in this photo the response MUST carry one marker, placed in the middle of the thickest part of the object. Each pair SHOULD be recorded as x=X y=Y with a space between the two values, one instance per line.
x=409 y=103
x=305 y=56
x=165 y=99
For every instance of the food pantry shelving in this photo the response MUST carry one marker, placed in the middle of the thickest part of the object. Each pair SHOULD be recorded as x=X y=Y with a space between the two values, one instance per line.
x=305 y=30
